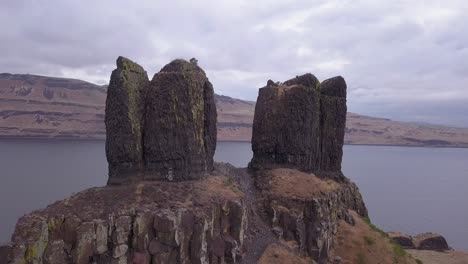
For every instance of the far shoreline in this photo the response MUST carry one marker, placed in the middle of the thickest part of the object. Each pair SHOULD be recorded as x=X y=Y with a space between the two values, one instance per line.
x=31 y=138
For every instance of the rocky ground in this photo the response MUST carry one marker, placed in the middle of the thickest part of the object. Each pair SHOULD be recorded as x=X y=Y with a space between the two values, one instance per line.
x=434 y=257
x=225 y=217
x=47 y=107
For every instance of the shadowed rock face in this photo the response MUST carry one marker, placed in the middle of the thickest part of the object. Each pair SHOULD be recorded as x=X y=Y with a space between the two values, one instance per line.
x=332 y=123
x=286 y=127
x=300 y=124
x=180 y=123
x=159 y=130
x=123 y=119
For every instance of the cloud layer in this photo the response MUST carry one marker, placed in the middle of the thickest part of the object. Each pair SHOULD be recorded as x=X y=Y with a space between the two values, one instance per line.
x=406 y=60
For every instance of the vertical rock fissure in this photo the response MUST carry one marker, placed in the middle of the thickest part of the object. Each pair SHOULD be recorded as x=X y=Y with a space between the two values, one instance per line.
x=163 y=129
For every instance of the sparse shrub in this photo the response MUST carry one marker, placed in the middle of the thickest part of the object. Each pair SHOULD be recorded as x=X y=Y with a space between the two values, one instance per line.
x=373 y=227
x=369 y=240
x=419 y=261
x=360 y=258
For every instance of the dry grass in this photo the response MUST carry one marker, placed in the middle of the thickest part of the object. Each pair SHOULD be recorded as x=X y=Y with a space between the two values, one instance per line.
x=364 y=244
x=276 y=254
x=434 y=257
x=293 y=183
x=217 y=187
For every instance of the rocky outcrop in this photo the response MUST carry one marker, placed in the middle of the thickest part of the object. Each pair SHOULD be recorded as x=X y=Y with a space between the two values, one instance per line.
x=424 y=241
x=306 y=210
x=165 y=130
x=180 y=122
x=332 y=124
x=286 y=129
x=300 y=124
x=151 y=222
x=431 y=241
x=123 y=119
x=159 y=130
x=404 y=240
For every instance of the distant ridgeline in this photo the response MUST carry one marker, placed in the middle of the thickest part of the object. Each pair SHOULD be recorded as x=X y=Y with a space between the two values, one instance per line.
x=167 y=202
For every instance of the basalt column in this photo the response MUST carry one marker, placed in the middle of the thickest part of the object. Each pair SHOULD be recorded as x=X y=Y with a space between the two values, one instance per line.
x=123 y=119
x=286 y=128
x=333 y=123
x=180 y=123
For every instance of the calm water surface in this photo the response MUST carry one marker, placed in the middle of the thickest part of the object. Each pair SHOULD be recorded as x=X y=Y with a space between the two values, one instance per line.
x=412 y=190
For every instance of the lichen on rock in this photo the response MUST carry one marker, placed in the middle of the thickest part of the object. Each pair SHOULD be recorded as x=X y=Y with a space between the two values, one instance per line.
x=180 y=123
x=159 y=130
x=286 y=125
x=124 y=121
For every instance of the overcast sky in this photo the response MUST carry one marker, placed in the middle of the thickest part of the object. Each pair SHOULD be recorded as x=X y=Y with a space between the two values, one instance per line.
x=405 y=60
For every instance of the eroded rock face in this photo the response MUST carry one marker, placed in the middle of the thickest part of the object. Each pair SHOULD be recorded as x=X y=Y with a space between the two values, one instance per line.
x=123 y=119
x=305 y=209
x=404 y=240
x=332 y=123
x=151 y=222
x=431 y=241
x=159 y=130
x=286 y=128
x=301 y=124
x=180 y=123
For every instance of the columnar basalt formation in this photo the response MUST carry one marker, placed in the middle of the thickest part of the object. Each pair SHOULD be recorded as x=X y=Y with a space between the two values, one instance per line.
x=124 y=117
x=332 y=123
x=180 y=123
x=165 y=130
x=286 y=128
x=159 y=130
x=300 y=124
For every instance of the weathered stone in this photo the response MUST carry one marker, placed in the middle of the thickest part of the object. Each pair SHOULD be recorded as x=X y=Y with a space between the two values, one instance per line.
x=286 y=128
x=101 y=237
x=156 y=247
x=307 y=212
x=123 y=119
x=431 y=241
x=122 y=230
x=406 y=241
x=142 y=231
x=55 y=253
x=120 y=250
x=141 y=258
x=332 y=124
x=86 y=237
x=180 y=123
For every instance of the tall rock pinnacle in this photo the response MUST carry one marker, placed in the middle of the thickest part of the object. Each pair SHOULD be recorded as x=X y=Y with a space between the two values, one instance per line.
x=332 y=123
x=286 y=128
x=123 y=119
x=159 y=130
x=180 y=123
x=300 y=124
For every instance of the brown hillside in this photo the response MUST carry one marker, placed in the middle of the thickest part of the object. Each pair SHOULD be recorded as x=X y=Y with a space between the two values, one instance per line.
x=47 y=107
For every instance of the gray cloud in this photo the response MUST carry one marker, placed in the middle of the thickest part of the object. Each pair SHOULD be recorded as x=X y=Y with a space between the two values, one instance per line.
x=403 y=60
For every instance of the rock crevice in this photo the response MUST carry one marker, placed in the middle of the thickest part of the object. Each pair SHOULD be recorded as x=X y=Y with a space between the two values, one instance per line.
x=163 y=129
x=300 y=124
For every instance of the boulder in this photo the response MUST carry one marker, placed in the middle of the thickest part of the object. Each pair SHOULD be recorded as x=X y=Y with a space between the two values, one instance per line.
x=123 y=119
x=180 y=123
x=332 y=124
x=286 y=128
x=404 y=240
x=431 y=241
